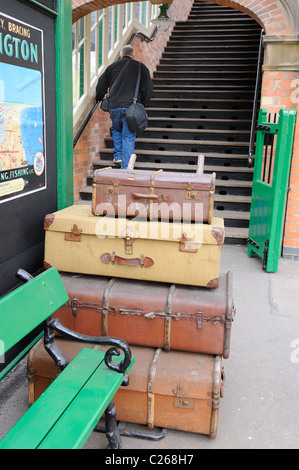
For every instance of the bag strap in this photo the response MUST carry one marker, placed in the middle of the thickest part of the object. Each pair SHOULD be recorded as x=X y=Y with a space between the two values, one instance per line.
x=119 y=77
x=137 y=84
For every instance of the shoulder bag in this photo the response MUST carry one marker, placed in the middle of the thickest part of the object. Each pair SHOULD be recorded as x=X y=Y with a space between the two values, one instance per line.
x=137 y=118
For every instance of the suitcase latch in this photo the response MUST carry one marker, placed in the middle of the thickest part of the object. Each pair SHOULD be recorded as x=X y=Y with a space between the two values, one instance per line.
x=180 y=400
x=112 y=188
x=74 y=306
x=187 y=246
x=129 y=245
x=75 y=235
x=190 y=194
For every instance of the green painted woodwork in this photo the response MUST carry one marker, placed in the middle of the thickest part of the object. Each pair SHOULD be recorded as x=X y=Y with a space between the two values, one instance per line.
x=28 y=306
x=64 y=100
x=66 y=413
x=83 y=413
x=269 y=194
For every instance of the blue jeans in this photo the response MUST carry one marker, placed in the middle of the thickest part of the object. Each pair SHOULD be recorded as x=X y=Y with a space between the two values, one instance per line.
x=123 y=138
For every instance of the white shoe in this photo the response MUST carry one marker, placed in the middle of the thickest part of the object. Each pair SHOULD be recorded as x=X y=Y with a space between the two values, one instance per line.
x=117 y=161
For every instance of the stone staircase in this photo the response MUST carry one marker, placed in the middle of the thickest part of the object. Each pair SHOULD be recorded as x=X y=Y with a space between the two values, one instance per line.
x=202 y=104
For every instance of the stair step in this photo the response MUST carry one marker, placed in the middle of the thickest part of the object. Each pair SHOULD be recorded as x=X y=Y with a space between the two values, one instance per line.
x=211 y=148
x=236 y=233
x=183 y=154
x=197 y=134
x=232 y=215
x=101 y=163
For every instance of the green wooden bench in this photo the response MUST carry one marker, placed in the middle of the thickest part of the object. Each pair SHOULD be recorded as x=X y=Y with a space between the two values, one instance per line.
x=67 y=412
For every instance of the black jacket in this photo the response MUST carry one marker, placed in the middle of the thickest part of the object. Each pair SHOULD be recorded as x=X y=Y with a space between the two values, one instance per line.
x=122 y=95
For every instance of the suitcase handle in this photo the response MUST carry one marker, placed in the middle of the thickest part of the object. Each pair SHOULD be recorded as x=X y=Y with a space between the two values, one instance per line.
x=145 y=196
x=143 y=261
x=152 y=197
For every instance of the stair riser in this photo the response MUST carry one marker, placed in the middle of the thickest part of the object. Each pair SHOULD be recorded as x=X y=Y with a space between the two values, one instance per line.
x=202 y=104
x=214 y=26
x=231 y=206
x=226 y=137
x=199 y=114
x=192 y=147
x=207 y=95
x=202 y=66
x=236 y=222
x=204 y=82
x=222 y=56
x=176 y=157
x=243 y=33
x=218 y=74
x=229 y=49
x=200 y=124
x=233 y=191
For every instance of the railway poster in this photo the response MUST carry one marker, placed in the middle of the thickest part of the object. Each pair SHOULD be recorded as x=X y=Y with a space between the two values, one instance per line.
x=22 y=116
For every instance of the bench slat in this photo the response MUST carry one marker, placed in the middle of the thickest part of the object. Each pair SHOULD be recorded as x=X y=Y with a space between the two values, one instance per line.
x=35 y=424
x=81 y=417
x=28 y=306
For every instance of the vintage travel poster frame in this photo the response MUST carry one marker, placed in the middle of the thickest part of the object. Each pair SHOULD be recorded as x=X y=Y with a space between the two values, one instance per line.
x=22 y=109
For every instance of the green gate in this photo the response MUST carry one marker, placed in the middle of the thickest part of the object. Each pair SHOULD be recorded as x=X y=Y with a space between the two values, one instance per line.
x=274 y=146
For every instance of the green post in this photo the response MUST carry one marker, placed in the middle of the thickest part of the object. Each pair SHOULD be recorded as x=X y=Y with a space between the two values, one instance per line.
x=64 y=100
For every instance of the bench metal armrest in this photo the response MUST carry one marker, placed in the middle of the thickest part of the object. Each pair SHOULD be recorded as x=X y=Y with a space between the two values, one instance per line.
x=116 y=343
x=51 y=325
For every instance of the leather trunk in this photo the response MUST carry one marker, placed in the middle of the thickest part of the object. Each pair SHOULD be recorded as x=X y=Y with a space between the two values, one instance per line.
x=183 y=253
x=151 y=314
x=154 y=195
x=173 y=390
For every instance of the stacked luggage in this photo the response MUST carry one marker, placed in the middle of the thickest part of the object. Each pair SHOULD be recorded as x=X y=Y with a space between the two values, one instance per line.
x=143 y=264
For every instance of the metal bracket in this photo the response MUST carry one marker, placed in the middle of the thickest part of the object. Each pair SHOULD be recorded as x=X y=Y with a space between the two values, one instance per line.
x=266 y=251
x=253 y=243
x=261 y=127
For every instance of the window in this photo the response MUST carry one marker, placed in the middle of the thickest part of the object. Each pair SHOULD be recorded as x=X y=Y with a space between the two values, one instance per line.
x=79 y=39
x=97 y=40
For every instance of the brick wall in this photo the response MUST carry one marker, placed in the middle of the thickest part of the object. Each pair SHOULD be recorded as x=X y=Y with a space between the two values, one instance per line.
x=281 y=91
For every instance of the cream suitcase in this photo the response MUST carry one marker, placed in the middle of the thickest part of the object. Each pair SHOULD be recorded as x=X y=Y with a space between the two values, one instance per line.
x=77 y=241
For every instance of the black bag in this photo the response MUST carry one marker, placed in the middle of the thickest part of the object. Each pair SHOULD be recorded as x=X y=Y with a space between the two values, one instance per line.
x=136 y=115
x=105 y=103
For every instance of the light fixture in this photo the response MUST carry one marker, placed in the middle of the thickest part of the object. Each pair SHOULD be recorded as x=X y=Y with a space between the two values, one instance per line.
x=163 y=21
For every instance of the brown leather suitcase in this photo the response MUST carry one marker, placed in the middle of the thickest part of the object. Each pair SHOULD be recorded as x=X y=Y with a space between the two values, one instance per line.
x=154 y=195
x=173 y=390
x=160 y=315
